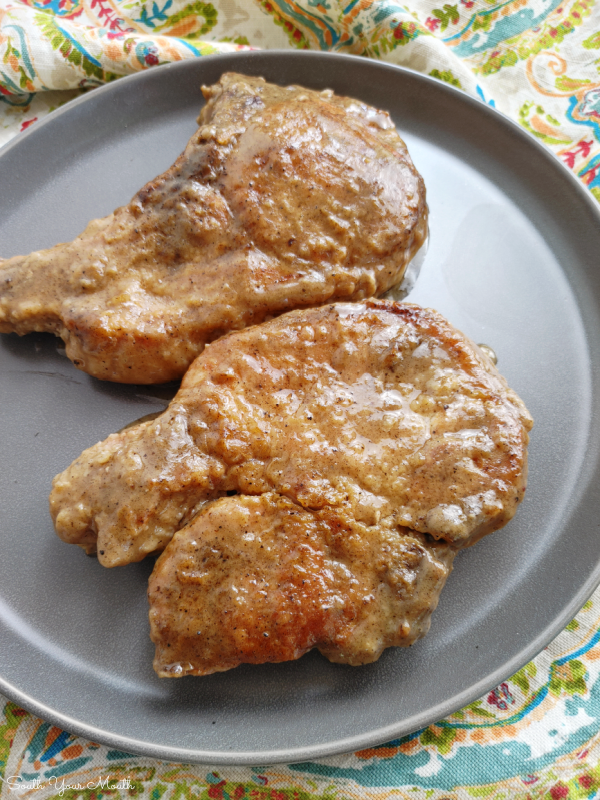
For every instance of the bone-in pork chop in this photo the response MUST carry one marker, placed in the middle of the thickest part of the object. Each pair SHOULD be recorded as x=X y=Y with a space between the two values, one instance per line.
x=284 y=198
x=381 y=411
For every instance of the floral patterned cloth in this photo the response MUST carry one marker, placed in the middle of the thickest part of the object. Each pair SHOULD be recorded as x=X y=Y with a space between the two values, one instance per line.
x=537 y=734
x=536 y=60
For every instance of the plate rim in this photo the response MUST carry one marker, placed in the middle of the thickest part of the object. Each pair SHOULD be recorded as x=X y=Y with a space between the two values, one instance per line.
x=417 y=721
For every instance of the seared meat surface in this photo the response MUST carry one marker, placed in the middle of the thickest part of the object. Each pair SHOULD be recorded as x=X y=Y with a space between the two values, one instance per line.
x=258 y=579
x=364 y=444
x=284 y=198
x=380 y=410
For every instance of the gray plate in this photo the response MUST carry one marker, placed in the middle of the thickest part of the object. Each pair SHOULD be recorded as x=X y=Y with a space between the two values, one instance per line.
x=512 y=262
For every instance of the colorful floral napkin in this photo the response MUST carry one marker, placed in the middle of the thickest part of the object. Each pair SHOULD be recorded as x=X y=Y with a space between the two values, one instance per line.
x=535 y=60
x=537 y=734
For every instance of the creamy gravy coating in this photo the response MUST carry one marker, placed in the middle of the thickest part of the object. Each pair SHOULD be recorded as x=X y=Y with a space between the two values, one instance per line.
x=260 y=579
x=283 y=198
x=381 y=410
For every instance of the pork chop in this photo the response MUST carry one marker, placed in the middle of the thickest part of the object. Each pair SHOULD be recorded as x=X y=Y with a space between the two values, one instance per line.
x=381 y=411
x=260 y=579
x=284 y=198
